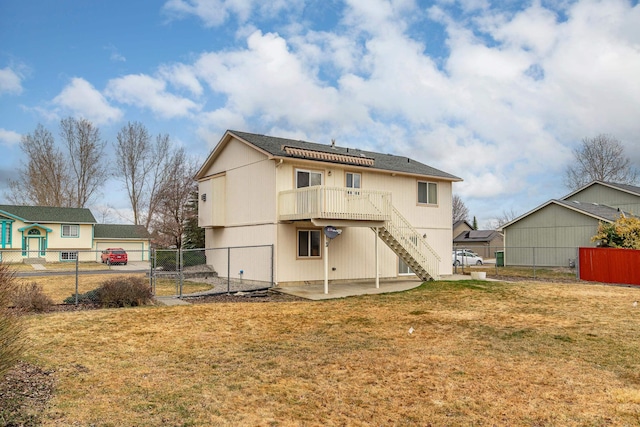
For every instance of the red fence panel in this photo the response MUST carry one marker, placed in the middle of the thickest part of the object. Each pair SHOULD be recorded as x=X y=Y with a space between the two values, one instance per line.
x=610 y=265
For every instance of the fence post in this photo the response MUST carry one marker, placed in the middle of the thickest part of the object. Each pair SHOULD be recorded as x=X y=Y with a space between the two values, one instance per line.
x=228 y=269
x=76 y=277
x=180 y=257
x=577 y=264
x=152 y=261
x=534 y=262
x=272 y=264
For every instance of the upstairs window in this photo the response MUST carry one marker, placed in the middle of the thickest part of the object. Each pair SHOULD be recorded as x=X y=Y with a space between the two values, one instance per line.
x=70 y=231
x=427 y=193
x=353 y=180
x=305 y=178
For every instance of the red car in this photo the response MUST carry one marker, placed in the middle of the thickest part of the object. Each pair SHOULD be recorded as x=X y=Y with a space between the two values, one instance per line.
x=114 y=256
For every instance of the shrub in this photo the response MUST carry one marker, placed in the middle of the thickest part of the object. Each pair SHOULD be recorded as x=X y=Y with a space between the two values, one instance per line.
x=124 y=292
x=91 y=297
x=30 y=297
x=120 y=291
x=11 y=344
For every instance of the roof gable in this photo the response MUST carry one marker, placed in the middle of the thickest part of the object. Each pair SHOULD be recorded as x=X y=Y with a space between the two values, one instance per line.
x=595 y=210
x=276 y=147
x=631 y=189
x=48 y=214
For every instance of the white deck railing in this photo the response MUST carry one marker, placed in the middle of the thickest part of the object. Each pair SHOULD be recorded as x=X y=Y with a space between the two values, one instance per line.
x=334 y=203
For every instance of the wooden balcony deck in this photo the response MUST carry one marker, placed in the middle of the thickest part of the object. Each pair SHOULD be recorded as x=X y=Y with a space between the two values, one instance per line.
x=322 y=202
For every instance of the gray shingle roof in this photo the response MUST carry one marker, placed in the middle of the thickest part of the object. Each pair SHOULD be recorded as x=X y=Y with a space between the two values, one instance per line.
x=275 y=146
x=476 y=236
x=595 y=209
x=48 y=214
x=120 y=231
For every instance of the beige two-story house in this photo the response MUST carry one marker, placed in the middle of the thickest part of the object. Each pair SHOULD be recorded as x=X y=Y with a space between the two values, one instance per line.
x=393 y=212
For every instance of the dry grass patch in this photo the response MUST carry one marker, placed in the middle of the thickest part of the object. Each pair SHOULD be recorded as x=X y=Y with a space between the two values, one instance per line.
x=60 y=287
x=481 y=354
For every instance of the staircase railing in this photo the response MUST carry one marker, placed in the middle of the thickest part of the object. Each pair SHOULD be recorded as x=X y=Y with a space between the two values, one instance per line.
x=413 y=243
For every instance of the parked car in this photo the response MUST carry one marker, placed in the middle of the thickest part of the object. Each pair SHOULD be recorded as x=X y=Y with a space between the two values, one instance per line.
x=464 y=257
x=112 y=256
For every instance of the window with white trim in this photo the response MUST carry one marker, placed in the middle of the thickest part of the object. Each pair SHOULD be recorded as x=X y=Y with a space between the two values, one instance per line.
x=68 y=256
x=427 y=193
x=70 y=231
x=309 y=243
x=307 y=178
x=353 y=180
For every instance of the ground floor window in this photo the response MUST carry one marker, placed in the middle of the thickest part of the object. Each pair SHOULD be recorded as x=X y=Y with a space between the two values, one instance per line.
x=403 y=268
x=309 y=243
x=68 y=256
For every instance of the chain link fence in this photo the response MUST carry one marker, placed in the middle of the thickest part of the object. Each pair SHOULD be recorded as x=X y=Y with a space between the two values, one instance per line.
x=65 y=275
x=559 y=263
x=212 y=271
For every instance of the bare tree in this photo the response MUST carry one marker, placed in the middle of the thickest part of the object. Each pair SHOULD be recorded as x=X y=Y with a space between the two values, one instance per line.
x=177 y=190
x=600 y=158
x=460 y=210
x=43 y=180
x=142 y=167
x=507 y=216
x=86 y=150
x=69 y=176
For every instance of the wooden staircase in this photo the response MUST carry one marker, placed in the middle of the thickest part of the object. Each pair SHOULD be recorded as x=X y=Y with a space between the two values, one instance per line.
x=410 y=246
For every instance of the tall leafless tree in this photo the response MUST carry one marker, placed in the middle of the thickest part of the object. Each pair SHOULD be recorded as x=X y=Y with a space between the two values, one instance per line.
x=43 y=179
x=88 y=168
x=460 y=210
x=177 y=190
x=142 y=167
x=66 y=176
x=601 y=158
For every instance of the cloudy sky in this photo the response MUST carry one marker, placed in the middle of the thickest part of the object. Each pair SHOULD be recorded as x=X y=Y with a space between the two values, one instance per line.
x=496 y=94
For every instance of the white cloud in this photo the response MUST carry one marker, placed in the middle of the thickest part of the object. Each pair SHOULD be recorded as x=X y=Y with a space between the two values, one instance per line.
x=9 y=137
x=10 y=81
x=80 y=98
x=115 y=56
x=266 y=80
x=214 y=13
x=181 y=76
x=149 y=92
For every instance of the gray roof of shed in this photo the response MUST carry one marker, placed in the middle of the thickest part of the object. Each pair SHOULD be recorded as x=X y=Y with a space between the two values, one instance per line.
x=476 y=236
x=120 y=231
x=275 y=146
x=48 y=214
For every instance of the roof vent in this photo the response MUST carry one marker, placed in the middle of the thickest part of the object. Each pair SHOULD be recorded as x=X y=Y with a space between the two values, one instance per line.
x=333 y=143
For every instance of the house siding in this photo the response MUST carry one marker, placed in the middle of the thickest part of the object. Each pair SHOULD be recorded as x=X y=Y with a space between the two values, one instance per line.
x=252 y=183
x=554 y=231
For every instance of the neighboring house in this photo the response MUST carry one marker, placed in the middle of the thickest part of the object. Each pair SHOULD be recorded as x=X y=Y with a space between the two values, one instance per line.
x=461 y=226
x=483 y=242
x=55 y=234
x=262 y=190
x=132 y=238
x=550 y=234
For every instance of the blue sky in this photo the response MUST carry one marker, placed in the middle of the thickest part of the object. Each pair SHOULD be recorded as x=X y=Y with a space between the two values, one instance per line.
x=498 y=94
